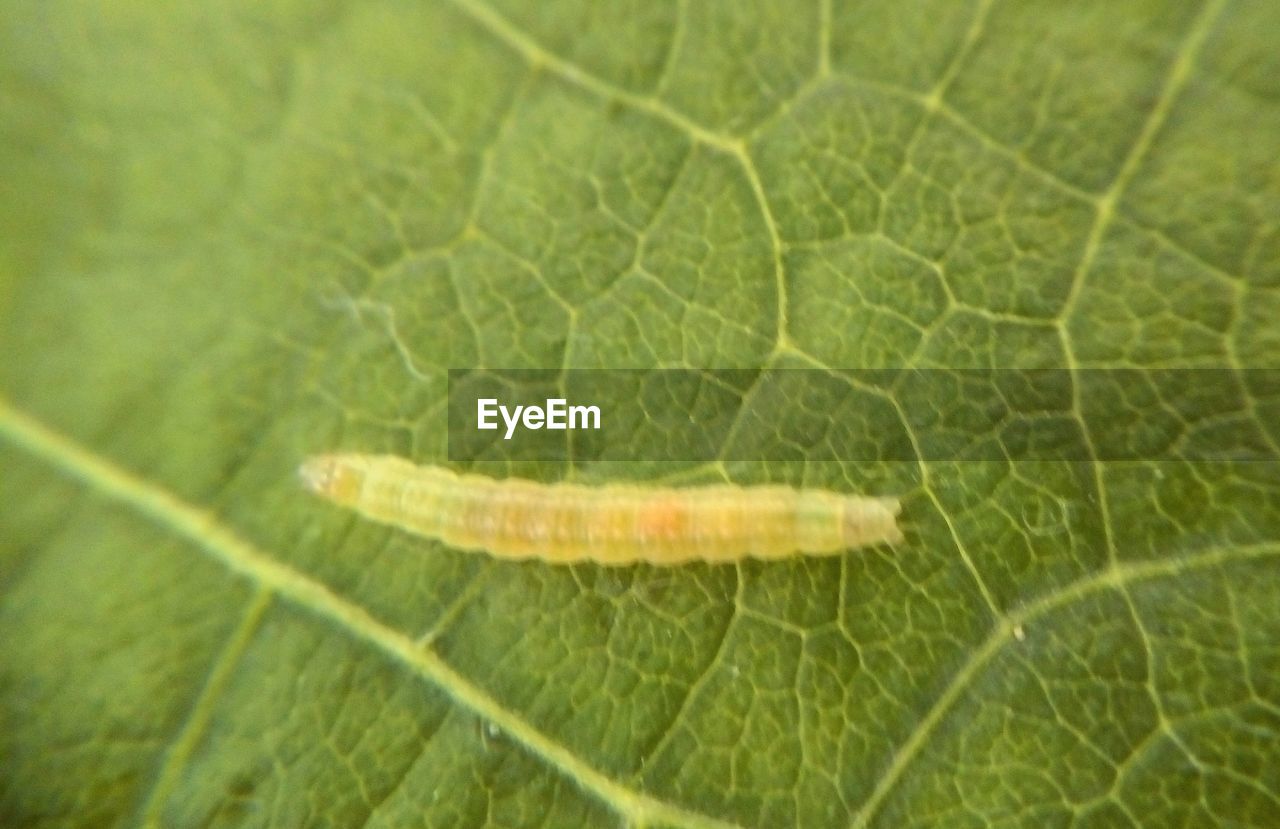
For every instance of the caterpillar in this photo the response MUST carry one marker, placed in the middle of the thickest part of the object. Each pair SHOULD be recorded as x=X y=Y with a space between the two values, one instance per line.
x=614 y=524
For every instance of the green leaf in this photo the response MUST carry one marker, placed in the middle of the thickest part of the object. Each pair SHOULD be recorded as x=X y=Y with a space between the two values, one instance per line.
x=233 y=234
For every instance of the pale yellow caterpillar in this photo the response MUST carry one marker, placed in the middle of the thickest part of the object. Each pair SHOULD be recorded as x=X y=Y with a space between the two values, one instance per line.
x=615 y=524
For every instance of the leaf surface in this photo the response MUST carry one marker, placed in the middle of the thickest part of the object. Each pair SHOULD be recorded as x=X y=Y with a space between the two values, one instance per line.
x=234 y=234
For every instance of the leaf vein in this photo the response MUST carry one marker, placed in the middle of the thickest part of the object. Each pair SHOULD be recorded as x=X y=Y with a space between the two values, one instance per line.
x=239 y=556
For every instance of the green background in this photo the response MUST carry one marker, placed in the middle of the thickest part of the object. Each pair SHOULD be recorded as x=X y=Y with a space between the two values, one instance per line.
x=236 y=233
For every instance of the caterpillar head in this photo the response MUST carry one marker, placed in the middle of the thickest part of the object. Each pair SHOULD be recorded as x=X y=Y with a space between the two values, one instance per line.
x=332 y=477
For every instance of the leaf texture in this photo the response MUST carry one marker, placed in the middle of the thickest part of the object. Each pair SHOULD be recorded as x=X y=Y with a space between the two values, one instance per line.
x=234 y=234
